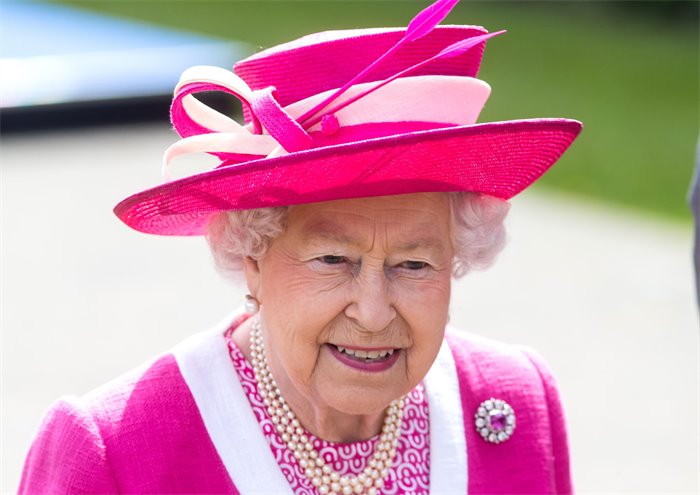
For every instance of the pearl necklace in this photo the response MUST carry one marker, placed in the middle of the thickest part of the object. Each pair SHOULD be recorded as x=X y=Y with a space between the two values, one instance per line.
x=322 y=475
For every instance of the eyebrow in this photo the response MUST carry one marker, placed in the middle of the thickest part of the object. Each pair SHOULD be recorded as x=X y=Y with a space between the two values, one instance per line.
x=327 y=230
x=332 y=231
x=430 y=242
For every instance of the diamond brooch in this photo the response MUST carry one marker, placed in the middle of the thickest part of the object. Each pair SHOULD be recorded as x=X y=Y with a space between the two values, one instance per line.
x=495 y=420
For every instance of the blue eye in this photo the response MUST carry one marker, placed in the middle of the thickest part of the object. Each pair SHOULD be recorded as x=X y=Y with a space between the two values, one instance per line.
x=330 y=259
x=414 y=265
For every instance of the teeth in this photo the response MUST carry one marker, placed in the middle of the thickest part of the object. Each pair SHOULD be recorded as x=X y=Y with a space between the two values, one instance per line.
x=366 y=354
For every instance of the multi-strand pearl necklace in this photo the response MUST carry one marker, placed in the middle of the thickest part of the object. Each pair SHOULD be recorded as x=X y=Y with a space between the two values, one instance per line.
x=321 y=475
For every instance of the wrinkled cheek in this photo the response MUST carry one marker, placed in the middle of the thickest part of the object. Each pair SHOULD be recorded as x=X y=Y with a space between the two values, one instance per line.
x=320 y=373
x=308 y=367
x=424 y=352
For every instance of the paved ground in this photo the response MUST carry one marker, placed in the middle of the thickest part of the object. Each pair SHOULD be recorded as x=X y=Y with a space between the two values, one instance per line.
x=605 y=295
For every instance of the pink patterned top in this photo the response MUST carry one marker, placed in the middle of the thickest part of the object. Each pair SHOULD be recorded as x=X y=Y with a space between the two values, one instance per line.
x=411 y=471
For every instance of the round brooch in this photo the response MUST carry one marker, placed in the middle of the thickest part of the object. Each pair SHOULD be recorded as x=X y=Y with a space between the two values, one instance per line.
x=495 y=420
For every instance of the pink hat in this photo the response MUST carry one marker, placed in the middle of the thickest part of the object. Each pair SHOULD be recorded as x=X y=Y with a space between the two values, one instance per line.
x=347 y=114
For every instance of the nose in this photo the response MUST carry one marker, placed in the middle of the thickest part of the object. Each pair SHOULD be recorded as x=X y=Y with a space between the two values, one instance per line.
x=372 y=306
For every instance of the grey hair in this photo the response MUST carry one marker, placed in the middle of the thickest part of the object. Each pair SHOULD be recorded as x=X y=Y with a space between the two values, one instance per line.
x=478 y=233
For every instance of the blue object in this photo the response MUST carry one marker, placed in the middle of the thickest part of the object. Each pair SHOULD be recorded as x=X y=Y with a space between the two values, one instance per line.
x=51 y=54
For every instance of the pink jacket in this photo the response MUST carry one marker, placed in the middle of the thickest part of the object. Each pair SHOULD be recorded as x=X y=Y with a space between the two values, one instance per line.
x=172 y=427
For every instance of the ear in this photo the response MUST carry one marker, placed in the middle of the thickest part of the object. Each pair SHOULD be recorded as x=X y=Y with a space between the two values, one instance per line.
x=251 y=269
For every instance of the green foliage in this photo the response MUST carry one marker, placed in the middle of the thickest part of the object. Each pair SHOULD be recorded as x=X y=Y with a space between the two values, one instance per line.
x=629 y=73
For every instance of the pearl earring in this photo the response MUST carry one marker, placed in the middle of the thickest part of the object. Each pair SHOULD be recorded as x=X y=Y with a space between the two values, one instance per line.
x=251 y=304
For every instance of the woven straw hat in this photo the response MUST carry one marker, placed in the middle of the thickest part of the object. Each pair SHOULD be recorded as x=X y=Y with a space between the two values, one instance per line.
x=347 y=114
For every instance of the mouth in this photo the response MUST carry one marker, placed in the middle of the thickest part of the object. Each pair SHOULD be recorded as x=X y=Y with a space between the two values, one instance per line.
x=372 y=360
x=370 y=356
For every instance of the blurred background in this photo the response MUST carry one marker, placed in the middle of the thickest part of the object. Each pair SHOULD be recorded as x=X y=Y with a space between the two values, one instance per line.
x=597 y=274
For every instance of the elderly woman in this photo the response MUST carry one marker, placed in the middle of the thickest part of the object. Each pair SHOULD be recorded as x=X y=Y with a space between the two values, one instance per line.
x=359 y=186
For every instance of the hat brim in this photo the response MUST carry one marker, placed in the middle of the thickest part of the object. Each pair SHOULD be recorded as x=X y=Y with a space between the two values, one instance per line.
x=500 y=159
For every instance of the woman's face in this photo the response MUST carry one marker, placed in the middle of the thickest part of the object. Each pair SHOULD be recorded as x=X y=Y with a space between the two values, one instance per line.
x=369 y=277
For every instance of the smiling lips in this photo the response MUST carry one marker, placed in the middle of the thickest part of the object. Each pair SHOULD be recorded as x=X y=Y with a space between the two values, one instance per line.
x=373 y=360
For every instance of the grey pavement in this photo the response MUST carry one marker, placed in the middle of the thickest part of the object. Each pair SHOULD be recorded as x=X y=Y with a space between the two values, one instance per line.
x=606 y=295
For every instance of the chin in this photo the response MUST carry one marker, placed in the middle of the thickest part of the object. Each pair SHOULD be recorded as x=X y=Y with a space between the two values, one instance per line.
x=353 y=392
x=362 y=400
